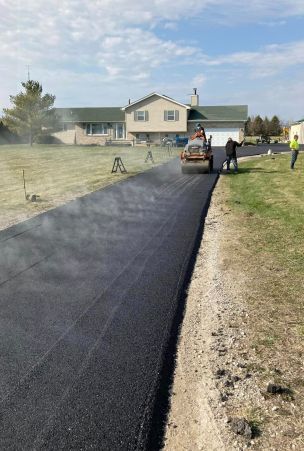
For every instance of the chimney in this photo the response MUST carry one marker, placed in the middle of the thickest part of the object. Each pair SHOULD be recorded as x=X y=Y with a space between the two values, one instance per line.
x=194 y=98
x=129 y=101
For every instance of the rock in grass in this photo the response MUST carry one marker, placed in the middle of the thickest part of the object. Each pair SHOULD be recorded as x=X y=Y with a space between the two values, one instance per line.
x=240 y=426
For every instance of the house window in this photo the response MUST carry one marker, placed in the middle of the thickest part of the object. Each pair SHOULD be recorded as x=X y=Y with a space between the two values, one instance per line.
x=141 y=115
x=171 y=115
x=97 y=129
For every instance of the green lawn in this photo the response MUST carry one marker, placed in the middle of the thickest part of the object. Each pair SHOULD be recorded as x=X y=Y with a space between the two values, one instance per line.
x=266 y=205
x=60 y=173
x=273 y=197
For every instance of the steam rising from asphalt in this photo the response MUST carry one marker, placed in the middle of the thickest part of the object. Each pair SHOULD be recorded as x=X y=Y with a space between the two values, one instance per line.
x=66 y=252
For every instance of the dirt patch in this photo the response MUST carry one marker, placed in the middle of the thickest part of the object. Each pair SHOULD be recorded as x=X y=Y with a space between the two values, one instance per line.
x=220 y=377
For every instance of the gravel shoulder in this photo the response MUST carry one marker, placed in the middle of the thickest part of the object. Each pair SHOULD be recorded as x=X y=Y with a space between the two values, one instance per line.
x=197 y=420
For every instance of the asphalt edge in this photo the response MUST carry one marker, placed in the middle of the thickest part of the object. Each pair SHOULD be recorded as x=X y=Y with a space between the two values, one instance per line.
x=155 y=431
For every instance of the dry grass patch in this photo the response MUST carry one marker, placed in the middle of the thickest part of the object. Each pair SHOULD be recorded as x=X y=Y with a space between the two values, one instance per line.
x=61 y=173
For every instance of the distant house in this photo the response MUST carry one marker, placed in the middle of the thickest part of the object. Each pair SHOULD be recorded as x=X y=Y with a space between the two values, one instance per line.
x=297 y=129
x=150 y=119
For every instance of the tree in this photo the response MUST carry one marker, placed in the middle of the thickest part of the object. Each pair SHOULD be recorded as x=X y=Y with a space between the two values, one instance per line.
x=267 y=127
x=6 y=136
x=258 y=126
x=248 y=127
x=31 y=114
x=275 y=126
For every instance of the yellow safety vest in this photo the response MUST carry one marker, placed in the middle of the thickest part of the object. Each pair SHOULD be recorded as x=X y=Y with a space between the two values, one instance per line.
x=294 y=145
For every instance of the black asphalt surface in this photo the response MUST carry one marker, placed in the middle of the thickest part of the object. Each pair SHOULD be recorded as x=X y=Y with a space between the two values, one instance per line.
x=90 y=294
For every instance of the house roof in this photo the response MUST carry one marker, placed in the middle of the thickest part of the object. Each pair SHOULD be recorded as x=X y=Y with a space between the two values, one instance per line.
x=105 y=114
x=219 y=113
x=155 y=94
x=117 y=114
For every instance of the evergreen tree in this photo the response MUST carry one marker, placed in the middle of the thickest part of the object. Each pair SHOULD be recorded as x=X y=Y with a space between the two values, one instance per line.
x=31 y=114
x=266 y=124
x=275 y=126
x=258 y=126
x=248 y=127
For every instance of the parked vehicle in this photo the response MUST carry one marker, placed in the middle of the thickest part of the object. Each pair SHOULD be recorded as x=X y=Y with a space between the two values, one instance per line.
x=263 y=139
x=249 y=143
x=181 y=141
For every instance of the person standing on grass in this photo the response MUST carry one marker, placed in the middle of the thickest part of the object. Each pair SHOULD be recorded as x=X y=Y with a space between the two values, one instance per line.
x=231 y=154
x=294 y=146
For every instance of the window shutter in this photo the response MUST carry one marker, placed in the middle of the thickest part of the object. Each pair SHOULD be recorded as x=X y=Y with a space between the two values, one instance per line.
x=176 y=115
x=146 y=115
x=135 y=115
x=166 y=115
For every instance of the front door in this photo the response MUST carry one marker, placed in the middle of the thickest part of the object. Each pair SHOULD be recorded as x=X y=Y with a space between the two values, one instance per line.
x=119 y=131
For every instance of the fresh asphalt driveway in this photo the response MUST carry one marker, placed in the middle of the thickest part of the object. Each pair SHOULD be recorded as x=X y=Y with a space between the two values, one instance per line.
x=90 y=295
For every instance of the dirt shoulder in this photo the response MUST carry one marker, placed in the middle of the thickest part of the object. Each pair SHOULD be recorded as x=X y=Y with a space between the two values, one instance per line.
x=197 y=419
x=219 y=400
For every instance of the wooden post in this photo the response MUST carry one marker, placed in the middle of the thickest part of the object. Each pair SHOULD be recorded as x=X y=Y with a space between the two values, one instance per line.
x=25 y=195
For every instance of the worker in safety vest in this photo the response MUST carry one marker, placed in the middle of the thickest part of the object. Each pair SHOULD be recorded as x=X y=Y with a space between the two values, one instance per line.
x=294 y=146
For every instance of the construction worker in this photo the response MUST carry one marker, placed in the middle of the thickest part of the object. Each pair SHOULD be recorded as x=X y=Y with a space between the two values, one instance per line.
x=231 y=153
x=294 y=146
x=199 y=133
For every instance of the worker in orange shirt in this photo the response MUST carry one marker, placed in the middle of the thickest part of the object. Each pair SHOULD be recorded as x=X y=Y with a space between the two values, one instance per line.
x=199 y=133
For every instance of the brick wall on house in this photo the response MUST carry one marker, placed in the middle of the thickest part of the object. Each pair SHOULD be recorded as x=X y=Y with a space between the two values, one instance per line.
x=78 y=136
x=84 y=139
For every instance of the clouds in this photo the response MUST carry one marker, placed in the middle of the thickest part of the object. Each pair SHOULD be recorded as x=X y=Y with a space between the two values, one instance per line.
x=65 y=31
x=73 y=27
x=134 y=53
x=199 y=80
x=267 y=61
x=239 y=11
x=114 y=46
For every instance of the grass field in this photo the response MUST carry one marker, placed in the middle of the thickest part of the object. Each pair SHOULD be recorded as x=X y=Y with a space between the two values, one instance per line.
x=60 y=173
x=267 y=250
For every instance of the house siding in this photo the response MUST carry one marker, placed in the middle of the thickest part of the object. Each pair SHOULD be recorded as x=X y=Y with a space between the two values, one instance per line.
x=156 y=107
x=297 y=129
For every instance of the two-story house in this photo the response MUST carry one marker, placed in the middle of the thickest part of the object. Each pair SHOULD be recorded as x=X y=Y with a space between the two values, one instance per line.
x=150 y=119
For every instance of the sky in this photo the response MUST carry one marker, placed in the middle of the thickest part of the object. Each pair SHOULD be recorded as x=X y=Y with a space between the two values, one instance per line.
x=105 y=52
